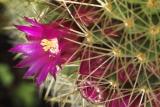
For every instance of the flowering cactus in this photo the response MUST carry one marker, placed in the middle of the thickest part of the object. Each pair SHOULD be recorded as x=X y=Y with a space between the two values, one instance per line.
x=46 y=49
x=102 y=52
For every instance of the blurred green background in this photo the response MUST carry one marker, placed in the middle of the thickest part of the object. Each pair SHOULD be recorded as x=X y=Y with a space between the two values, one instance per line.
x=14 y=90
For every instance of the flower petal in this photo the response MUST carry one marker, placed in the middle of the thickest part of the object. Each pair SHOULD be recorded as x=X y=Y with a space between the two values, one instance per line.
x=28 y=48
x=32 y=32
x=25 y=62
x=35 y=67
x=43 y=74
x=32 y=21
x=53 y=71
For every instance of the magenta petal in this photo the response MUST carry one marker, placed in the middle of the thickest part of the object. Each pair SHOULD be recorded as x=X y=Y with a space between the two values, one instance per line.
x=32 y=21
x=28 y=48
x=53 y=72
x=28 y=61
x=50 y=32
x=43 y=74
x=39 y=60
x=32 y=70
x=25 y=62
x=33 y=31
x=35 y=67
x=54 y=63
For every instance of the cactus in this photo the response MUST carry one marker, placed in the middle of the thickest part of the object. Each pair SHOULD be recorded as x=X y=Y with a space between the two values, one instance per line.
x=110 y=56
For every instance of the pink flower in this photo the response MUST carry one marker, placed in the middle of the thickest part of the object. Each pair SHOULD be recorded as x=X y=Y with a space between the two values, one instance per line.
x=46 y=48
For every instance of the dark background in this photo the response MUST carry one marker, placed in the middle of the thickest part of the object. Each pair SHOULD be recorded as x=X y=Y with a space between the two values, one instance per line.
x=14 y=90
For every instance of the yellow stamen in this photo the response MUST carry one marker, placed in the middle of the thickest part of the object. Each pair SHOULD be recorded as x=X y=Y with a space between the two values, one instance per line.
x=50 y=45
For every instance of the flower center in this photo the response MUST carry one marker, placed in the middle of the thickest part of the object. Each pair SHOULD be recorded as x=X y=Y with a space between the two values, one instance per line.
x=50 y=45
